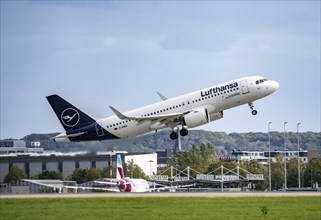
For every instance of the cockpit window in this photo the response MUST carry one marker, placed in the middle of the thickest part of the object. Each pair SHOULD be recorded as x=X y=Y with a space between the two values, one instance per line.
x=260 y=81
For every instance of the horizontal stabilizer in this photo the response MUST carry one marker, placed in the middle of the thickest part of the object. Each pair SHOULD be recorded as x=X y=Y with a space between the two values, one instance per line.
x=68 y=135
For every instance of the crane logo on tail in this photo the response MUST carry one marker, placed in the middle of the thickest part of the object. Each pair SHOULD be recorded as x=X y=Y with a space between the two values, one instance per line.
x=70 y=117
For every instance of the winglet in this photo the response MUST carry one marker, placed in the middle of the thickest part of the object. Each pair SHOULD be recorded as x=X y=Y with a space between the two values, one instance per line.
x=161 y=96
x=119 y=115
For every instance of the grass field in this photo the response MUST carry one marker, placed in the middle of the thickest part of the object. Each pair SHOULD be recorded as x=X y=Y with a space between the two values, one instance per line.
x=162 y=208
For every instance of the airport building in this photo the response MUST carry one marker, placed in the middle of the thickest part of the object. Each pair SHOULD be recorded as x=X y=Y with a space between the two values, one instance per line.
x=19 y=146
x=35 y=160
x=33 y=165
x=263 y=156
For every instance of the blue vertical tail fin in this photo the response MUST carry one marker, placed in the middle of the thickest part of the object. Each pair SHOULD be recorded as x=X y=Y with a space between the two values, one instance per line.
x=69 y=116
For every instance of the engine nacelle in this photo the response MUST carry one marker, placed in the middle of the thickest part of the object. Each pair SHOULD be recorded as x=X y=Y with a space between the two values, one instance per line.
x=125 y=186
x=197 y=117
x=216 y=116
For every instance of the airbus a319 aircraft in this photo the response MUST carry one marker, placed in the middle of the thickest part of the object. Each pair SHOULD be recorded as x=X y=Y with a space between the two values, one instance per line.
x=126 y=184
x=185 y=111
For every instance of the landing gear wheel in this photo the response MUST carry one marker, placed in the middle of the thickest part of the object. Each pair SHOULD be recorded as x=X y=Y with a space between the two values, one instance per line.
x=183 y=132
x=173 y=135
x=254 y=112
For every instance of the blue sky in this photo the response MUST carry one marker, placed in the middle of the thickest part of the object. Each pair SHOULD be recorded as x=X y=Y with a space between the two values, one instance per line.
x=101 y=53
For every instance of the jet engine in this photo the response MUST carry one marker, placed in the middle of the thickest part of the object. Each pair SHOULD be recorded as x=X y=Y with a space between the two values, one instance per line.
x=200 y=117
x=216 y=116
x=124 y=186
x=197 y=117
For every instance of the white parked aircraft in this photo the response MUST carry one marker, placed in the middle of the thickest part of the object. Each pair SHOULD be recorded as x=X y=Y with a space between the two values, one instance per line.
x=188 y=111
x=123 y=184
x=126 y=184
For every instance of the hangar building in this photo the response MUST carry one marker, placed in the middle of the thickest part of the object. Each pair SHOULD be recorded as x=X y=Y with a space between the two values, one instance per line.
x=34 y=162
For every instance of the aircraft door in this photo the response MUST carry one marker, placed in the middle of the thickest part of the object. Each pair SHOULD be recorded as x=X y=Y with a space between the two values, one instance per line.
x=244 y=87
x=99 y=130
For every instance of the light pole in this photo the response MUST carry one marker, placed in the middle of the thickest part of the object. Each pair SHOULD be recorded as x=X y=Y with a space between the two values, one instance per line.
x=269 y=157
x=285 y=184
x=299 y=179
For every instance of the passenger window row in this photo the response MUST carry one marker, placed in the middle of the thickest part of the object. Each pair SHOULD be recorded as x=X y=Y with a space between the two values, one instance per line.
x=173 y=107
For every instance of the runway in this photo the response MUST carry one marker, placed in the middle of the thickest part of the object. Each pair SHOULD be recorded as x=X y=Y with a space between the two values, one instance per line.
x=164 y=194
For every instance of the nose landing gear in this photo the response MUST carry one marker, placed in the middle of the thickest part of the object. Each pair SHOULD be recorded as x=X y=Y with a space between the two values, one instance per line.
x=254 y=112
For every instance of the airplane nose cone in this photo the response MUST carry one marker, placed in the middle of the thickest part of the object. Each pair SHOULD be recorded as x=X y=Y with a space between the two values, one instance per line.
x=275 y=85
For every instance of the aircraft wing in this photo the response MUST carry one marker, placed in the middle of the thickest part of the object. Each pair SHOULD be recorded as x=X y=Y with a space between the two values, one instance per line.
x=106 y=183
x=91 y=188
x=165 y=118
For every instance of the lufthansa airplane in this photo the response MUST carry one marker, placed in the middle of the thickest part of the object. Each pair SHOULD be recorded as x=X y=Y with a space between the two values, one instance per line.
x=179 y=113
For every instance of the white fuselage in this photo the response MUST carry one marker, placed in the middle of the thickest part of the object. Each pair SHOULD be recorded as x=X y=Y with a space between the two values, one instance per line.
x=215 y=99
x=139 y=185
x=189 y=111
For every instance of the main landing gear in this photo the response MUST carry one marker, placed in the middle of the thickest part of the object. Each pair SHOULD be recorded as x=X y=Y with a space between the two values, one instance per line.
x=254 y=112
x=183 y=132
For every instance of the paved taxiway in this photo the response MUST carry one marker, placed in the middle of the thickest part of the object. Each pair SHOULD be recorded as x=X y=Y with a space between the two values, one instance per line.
x=166 y=194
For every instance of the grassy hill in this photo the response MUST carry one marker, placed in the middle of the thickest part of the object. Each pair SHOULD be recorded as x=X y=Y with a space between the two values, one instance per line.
x=222 y=141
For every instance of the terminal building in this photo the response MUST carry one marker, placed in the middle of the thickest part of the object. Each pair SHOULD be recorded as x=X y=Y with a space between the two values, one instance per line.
x=35 y=160
x=19 y=146
x=263 y=156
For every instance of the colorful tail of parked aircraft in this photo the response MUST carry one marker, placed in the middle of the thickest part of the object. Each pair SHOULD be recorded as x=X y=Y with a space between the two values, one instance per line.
x=126 y=184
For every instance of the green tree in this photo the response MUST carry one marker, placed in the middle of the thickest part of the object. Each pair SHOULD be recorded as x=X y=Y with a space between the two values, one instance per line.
x=292 y=172
x=133 y=170
x=92 y=174
x=78 y=175
x=277 y=173
x=215 y=166
x=255 y=167
x=252 y=166
x=85 y=175
x=312 y=173
x=47 y=174
x=105 y=173
x=15 y=173
x=198 y=158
